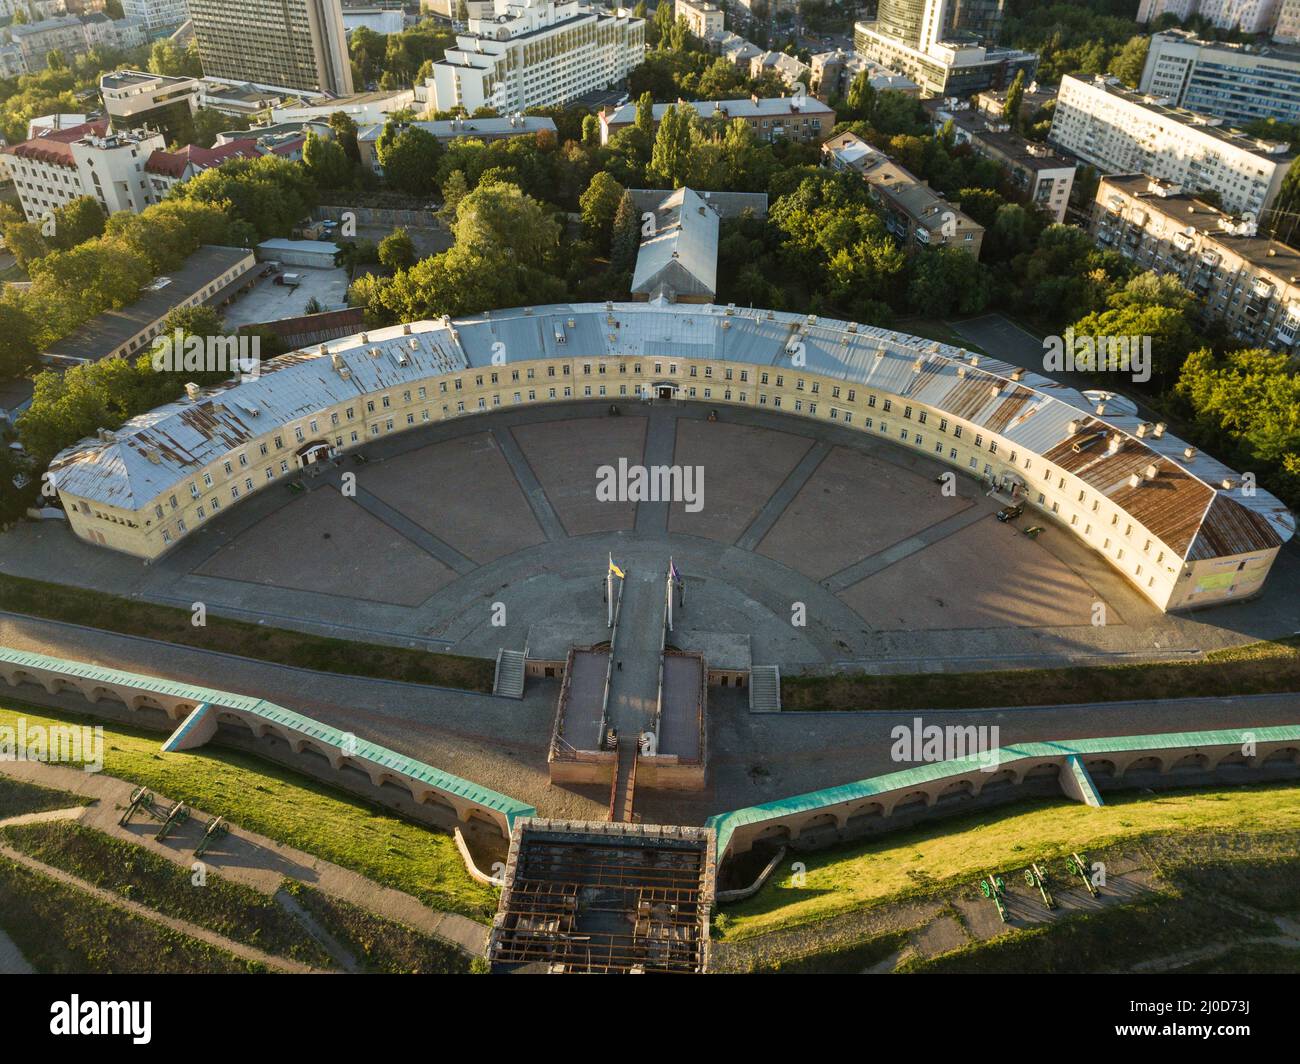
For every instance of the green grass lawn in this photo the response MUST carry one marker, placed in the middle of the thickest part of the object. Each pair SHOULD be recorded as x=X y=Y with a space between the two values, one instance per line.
x=231 y=909
x=63 y=930
x=1258 y=668
x=18 y=797
x=380 y=945
x=1205 y=905
x=924 y=859
x=276 y=802
x=76 y=605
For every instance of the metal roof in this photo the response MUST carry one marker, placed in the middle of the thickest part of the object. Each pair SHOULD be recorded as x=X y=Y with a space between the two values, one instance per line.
x=106 y=332
x=1184 y=499
x=682 y=255
x=725 y=824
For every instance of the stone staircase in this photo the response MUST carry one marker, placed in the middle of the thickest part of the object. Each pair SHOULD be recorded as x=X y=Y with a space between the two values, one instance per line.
x=764 y=689
x=509 y=679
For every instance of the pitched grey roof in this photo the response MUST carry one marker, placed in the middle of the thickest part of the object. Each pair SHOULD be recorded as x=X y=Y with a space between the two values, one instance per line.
x=683 y=253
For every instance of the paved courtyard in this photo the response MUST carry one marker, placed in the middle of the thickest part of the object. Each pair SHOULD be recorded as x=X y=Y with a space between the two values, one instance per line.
x=458 y=526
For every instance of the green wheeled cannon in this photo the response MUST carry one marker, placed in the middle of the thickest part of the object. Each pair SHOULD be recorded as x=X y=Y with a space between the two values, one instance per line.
x=993 y=887
x=1078 y=866
x=175 y=817
x=141 y=800
x=1036 y=876
x=215 y=829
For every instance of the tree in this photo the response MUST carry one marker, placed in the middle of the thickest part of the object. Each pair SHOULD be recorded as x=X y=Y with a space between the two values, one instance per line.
x=17 y=337
x=947 y=277
x=645 y=115
x=270 y=193
x=1015 y=99
x=325 y=162
x=208 y=122
x=193 y=321
x=25 y=242
x=397 y=250
x=670 y=160
x=409 y=156
x=344 y=127
x=861 y=99
x=590 y=131
x=77 y=221
x=454 y=189
x=599 y=204
x=625 y=236
x=1129 y=63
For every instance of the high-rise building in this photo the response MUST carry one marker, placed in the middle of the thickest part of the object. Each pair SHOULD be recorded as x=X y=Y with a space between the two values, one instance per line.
x=1234 y=81
x=534 y=54
x=946 y=46
x=289 y=44
x=1120 y=131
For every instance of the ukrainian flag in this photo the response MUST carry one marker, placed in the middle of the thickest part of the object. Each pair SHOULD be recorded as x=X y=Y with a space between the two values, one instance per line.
x=615 y=569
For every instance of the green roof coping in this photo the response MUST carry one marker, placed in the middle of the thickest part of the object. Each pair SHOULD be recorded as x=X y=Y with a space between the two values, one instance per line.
x=511 y=808
x=726 y=823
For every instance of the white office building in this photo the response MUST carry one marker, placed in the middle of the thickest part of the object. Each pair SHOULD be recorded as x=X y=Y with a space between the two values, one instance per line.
x=1120 y=131
x=534 y=54
x=1238 y=82
x=50 y=171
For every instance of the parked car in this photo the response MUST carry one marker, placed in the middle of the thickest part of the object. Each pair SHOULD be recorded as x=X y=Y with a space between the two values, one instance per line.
x=1010 y=513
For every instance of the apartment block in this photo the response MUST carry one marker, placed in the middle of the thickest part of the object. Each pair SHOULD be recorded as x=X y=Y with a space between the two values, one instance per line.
x=1042 y=177
x=833 y=73
x=533 y=54
x=1248 y=16
x=286 y=44
x=157 y=14
x=1286 y=29
x=701 y=17
x=1247 y=281
x=1120 y=131
x=771 y=117
x=1239 y=82
x=916 y=215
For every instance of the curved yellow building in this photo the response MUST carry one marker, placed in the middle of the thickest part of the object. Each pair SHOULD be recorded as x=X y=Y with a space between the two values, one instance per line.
x=1184 y=529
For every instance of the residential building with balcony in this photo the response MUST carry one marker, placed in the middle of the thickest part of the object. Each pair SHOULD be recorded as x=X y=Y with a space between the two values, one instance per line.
x=1041 y=176
x=1246 y=281
x=702 y=18
x=915 y=214
x=1120 y=131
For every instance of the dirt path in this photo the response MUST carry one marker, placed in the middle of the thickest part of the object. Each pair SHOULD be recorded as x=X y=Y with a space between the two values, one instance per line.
x=247 y=857
x=247 y=953
x=73 y=812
